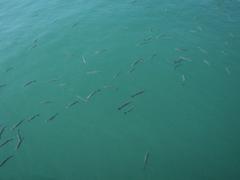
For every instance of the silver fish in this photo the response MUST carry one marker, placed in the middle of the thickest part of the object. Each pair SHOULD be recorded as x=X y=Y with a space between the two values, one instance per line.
x=93 y=93
x=81 y=98
x=93 y=72
x=146 y=158
x=84 y=60
x=227 y=70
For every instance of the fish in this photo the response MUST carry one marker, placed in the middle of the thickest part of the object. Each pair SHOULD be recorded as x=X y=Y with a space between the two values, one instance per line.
x=181 y=59
x=206 y=62
x=227 y=70
x=180 y=49
x=178 y=62
x=53 y=117
x=81 y=98
x=160 y=35
x=153 y=56
x=6 y=142
x=202 y=50
x=84 y=60
x=133 y=2
x=93 y=72
x=29 y=82
x=148 y=38
x=129 y=110
x=5 y=160
x=2 y=131
x=136 y=62
x=131 y=70
x=20 y=140
x=138 y=93
x=9 y=69
x=124 y=105
x=116 y=75
x=33 y=117
x=54 y=80
x=177 y=65
x=72 y=104
x=108 y=86
x=33 y=46
x=146 y=158
x=18 y=124
x=199 y=28
x=100 y=51
x=93 y=93
x=183 y=79
x=2 y=85
x=75 y=24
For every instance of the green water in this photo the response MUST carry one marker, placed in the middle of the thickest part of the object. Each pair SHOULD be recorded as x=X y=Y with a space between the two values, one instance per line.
x=187 y=119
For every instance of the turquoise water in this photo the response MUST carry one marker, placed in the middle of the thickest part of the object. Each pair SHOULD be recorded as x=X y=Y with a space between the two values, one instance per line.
x=183 y=54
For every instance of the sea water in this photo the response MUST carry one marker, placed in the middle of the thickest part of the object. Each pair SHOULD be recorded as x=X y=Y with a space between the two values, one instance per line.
x=76 y=62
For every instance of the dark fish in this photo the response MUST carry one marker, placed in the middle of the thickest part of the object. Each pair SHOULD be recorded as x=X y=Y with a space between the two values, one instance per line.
x=5 y=160
x=20 y=140
x=53 y=80
x=124 y=105
x=116 y=75
x=178 y=61
x=129 y=110
x=75 y=24
x=52 y=117
x=177 y=65
x=148 y=39
x=18 y=124
x=9 y=69
x=30 y=82
x=153 y=56
x=93 y=93
x=33 y=117
x=72 y=104
x=2 y=131
x=146 y=157
x=138 y=93
x=6 y=142
x=34 y=46
x=131 y=70
x=46 y=102
x=136 y=62
x=2 y=85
